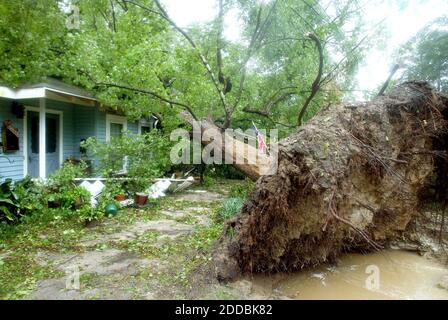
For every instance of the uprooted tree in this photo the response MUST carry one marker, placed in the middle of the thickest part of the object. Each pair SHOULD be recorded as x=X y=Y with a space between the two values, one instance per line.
x=350 y=179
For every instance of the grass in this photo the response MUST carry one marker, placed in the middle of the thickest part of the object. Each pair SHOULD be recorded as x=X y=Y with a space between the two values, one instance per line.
x=57 y=231
x=19 y=274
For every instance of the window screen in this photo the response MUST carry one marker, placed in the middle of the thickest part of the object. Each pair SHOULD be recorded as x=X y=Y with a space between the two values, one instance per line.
x=34 y=134
x=52 y=134
x=116 y=130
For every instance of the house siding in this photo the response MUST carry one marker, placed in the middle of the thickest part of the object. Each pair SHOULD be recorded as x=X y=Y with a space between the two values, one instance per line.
x=11 y=163
x=79 y=122
x=84 y=124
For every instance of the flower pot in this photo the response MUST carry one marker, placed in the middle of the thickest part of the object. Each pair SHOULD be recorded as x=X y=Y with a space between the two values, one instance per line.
x=120 y=197
x=140 y=198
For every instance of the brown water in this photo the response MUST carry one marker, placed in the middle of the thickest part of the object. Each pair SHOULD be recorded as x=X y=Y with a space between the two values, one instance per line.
x=402 y=275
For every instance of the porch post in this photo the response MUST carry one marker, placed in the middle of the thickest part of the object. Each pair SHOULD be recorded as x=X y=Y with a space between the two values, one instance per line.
x=42 y=139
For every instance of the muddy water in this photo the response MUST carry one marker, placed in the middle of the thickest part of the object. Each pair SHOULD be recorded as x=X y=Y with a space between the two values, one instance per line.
x=402 y=275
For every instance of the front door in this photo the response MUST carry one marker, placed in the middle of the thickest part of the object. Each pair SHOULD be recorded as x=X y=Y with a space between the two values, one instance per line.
x=52 y=143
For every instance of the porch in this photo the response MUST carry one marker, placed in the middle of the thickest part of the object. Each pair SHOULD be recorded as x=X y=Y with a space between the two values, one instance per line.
x=52 y=121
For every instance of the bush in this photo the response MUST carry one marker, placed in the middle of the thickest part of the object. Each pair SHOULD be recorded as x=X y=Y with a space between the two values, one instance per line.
x=18 y=199
x=148 y=157
x=27 y=197
x=230 y=208
x=62 y=190
x=9 y=206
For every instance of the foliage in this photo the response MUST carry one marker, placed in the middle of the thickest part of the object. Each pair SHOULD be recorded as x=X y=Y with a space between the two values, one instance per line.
x=225 y=171
x=120 y=43
x=114 y=188
x=28 y=197
x=62 y=190
x=20 y=198
x=147 y=157
x=33 y=40
x=87 y=213
x=66 y=175
x=230 y=208
x=424 y=57
x=9 y=207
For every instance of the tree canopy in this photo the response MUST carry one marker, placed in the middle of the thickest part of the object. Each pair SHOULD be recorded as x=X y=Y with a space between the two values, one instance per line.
x=425 y=56
x=131 y=53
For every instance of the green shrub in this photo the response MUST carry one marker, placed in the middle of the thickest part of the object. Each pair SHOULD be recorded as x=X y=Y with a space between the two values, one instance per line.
x=66 y=175
x=9 y=204
x=87 y=213
x=31 y=195
x=62 y=190
x=148 y=157
x=20 y=198
x=230 y=208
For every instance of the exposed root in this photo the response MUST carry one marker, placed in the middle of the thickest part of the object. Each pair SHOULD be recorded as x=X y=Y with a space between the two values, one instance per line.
x=333 y=214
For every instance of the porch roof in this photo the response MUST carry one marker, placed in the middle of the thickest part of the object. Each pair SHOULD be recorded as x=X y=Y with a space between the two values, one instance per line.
x=50 y=89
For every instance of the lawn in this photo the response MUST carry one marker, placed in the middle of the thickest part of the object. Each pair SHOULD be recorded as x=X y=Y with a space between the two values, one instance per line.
x=160 y=252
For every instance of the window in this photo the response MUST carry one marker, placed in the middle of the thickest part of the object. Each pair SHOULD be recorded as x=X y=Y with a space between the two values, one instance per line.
x=116 y=130
x=51 y=132
x=144 y=126
x=34 y=134
x=115 y=125
x=145 y=129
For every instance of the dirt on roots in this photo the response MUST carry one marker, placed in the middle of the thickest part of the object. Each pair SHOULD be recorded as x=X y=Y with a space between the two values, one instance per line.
x=352 y=179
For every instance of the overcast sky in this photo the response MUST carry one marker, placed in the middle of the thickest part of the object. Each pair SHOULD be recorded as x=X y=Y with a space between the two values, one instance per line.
x=401 y=23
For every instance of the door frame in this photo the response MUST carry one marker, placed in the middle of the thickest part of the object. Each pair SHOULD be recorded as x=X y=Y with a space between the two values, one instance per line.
x=26 y=142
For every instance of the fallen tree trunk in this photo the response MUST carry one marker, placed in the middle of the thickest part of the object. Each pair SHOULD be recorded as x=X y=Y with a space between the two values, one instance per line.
x=350 y=179
x=235 y=151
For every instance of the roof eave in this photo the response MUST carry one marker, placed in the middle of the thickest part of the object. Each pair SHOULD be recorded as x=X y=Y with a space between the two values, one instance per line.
x=48 y=93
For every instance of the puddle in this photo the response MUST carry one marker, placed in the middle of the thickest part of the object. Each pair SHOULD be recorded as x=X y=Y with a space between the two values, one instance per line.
x=402 y=275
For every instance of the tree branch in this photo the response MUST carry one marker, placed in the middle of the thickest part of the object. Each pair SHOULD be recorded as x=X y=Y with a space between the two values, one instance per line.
x=162 y=13
x=257 y=35
x=221 y=77
x=317 y=82
x=114 y=20
x=150 y=93
x=386 y=84
x=330 y=75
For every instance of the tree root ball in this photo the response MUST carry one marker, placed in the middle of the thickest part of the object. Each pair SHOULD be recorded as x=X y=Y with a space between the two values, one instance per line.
x=351 y=179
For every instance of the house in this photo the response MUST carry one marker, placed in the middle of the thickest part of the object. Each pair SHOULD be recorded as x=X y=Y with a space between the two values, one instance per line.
x=44 y=124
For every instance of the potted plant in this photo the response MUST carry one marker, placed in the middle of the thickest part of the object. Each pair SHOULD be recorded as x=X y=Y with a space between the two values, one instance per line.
x=136 y=186
x=141 y=198
x=117 y=191
x=120 y=197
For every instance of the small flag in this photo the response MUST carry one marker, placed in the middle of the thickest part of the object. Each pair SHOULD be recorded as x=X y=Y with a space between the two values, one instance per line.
x=262 y=147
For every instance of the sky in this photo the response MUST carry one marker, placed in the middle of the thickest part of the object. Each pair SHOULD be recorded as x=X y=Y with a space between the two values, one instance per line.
x=400 y=24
